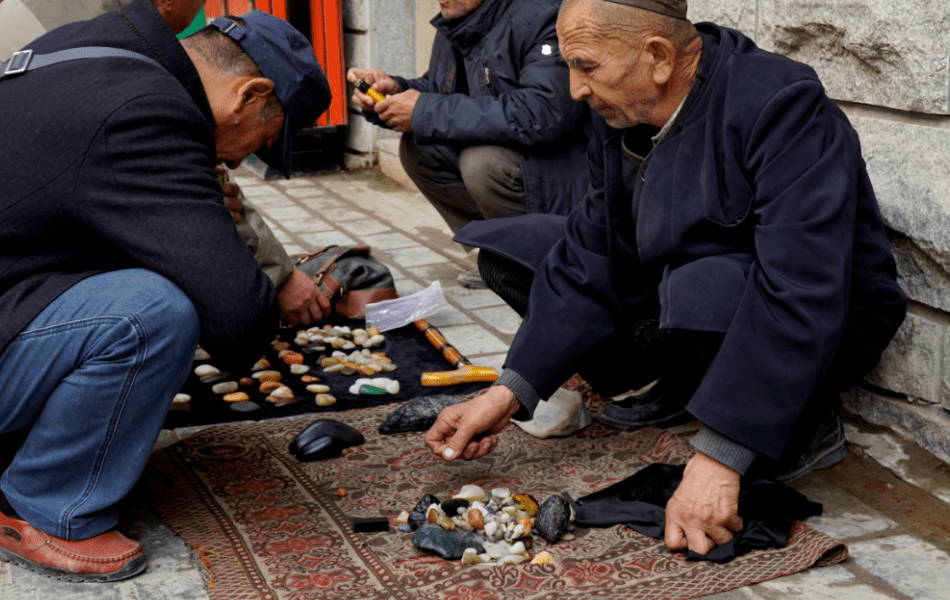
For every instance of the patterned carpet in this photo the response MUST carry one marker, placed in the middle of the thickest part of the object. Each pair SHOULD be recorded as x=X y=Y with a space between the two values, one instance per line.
x=269 y=527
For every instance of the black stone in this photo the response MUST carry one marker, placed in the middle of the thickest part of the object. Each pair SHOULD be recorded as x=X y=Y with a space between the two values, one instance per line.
x=451 y=506
x=245 y=406
x=553 y=518
x=447 y=544
x=417 y=516
x=418 y=414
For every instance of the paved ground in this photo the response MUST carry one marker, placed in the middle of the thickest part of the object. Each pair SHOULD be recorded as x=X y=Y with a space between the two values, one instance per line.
x=890 y=502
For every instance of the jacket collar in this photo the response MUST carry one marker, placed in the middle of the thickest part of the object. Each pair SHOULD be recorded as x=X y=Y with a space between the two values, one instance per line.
x=466 y=32
x=145 y=22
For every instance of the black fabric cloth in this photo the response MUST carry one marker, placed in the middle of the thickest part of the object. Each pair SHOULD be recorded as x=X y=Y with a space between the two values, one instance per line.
x=756 y=219
x=108 y=164
x=495 y=77
x=767 y=509
x=406 y=346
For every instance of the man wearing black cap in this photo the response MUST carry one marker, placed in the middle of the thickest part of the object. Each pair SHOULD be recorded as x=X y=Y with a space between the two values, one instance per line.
x=490 y=129
x=730 y=247
x=117 y=255
x=21 y=21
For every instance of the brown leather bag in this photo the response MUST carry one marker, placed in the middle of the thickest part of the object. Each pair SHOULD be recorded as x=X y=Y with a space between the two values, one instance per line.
x=349 y=277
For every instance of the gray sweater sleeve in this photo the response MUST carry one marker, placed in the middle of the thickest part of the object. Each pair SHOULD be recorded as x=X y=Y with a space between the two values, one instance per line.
x=722 y=449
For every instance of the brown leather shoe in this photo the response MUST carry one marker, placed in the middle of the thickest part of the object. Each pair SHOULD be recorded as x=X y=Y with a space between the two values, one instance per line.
x=109 y=556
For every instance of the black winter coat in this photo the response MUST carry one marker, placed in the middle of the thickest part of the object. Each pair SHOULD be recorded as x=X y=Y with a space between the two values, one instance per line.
x=108 y=163
x=756 y=219
x=518 y=96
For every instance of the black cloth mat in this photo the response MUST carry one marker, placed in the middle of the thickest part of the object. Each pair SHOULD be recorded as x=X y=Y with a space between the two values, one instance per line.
x=406 y=346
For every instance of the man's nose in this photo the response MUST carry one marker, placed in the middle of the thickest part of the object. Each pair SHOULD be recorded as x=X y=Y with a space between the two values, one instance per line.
x=579 y=88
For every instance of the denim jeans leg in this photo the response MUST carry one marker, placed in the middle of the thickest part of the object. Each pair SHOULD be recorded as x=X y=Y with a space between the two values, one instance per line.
x=93 y=374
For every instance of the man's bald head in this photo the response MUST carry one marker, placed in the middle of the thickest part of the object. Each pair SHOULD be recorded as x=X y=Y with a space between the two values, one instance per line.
x=634 y=20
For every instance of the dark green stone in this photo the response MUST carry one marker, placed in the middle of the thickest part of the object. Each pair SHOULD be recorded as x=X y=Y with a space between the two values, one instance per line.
x=447 y=544
x=552 y=518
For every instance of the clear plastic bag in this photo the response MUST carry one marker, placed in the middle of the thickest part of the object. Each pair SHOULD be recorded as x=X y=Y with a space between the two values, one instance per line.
x=392 y=314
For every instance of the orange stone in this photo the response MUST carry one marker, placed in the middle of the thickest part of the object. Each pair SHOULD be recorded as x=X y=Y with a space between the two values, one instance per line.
x=270 y=376
x=236 y=397
x=309 y=379
x=341 y=492
x=281 y=346
x=293 y=358
x=269 y=386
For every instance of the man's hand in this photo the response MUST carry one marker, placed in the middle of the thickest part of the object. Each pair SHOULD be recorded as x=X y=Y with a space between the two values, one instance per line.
x=383 y=83
x=704 y=511
x=301 y=301
x=452 y=434
x=231 y=192
x=396 y=109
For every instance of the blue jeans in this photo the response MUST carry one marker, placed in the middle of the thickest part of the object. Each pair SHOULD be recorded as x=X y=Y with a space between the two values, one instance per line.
x=93 y=376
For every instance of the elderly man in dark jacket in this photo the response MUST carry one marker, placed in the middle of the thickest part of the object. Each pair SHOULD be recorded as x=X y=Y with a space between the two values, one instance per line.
x=118 y=254
x=491 y=129
x=731 y=245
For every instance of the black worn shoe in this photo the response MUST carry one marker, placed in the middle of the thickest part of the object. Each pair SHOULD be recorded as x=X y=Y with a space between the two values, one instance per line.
x=653 y=408
x=825 y=449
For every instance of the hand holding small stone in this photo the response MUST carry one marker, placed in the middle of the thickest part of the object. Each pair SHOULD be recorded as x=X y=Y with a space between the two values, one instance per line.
x=468 y=430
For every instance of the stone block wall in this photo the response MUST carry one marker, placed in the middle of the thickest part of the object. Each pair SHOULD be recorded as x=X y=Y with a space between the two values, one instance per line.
x=377 y=34
x=887 y=64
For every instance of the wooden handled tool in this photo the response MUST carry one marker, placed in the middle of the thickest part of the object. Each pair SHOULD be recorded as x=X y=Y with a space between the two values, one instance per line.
x=465 y=372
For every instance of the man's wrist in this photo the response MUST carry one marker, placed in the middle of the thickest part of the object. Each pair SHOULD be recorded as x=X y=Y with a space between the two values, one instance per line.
x=723 y=450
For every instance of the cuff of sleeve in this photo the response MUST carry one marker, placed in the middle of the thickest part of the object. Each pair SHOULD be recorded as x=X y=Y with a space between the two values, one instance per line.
x=722 y=449
x=523 y=391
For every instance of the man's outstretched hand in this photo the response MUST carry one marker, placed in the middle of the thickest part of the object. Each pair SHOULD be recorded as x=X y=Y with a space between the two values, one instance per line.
x=467 y=430
x=704 y=511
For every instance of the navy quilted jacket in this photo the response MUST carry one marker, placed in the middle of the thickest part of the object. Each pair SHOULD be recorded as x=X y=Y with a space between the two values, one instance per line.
x=518 y=96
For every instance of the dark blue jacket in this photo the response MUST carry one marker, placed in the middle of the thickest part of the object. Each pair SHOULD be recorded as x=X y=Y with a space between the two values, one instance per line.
x=756 y=219
x=518 y=96
x=108 y=163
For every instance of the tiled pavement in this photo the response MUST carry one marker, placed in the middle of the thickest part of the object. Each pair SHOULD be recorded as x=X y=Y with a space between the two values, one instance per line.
x=895 y=520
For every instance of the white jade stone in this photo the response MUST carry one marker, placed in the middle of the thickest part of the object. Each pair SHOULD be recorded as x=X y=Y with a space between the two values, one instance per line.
x=225 y=387
x=202 y=370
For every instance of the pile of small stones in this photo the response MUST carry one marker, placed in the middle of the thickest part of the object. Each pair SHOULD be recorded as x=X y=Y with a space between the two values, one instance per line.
x=491 y=528
x=315 y=339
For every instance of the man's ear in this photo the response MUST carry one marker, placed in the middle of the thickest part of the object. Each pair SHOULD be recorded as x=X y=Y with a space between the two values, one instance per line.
x=253 y=93
x=663 y=58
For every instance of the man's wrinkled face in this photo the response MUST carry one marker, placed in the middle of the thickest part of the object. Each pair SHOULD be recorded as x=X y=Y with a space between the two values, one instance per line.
x=606 y=72
x=236 y=141
x=456 y=9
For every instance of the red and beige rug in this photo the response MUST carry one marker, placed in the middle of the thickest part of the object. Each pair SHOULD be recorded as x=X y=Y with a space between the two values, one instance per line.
x=269 y=527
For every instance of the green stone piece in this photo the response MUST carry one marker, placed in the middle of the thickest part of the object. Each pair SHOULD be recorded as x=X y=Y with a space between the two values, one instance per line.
x=371 y=390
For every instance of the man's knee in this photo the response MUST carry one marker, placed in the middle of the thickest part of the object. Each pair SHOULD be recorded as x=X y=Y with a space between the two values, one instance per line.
x=164 y=309
x=485 y=167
